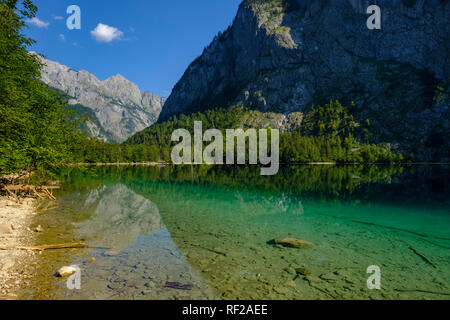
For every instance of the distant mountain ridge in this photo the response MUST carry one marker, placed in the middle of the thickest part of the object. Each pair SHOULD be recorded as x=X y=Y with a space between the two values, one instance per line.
x=119 y=107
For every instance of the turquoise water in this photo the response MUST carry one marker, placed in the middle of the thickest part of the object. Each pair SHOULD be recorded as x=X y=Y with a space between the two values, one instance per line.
x=208 y=229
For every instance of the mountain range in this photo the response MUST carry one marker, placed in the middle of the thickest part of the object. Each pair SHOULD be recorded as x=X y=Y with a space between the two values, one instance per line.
x=282 y=57
x=116 y=107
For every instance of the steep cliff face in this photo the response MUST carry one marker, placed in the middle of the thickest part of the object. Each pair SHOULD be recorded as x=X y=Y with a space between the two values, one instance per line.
x=116 y=106
x=286 y=55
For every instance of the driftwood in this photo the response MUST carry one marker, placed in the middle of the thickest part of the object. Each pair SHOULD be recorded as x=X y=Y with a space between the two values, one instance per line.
x=37 y=191
x=52 y=247
x=29 y=188
x=12 y=194
x=49 y=194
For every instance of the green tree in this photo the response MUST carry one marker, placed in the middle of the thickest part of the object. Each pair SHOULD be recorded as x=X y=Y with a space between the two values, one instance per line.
x=36 y=133
x=329 y=121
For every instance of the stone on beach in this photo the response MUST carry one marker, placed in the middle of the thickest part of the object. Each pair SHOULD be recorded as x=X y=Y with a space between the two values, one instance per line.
x=292 y=243
x=65 y=272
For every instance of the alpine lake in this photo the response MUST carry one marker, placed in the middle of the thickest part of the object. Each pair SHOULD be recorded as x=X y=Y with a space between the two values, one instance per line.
x=206 y=232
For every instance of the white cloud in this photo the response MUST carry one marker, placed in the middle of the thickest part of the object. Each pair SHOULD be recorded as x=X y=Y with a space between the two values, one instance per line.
x=38 y=23
x=62 y=37
x=58 y=18
x=105 y=33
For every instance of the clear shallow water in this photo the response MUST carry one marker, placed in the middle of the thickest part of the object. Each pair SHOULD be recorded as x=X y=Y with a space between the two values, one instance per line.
x=209 y=227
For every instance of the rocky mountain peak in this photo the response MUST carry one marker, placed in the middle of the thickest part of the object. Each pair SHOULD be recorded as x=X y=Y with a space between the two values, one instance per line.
x=123 y=89
x=119 y=108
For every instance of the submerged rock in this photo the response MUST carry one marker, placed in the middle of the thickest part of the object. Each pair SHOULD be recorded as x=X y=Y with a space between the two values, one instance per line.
x=303 y=271
x=291 y=243
x=38 y=229
x=65 y=272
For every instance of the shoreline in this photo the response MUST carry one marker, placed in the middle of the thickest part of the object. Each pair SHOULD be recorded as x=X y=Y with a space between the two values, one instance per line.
x=120 y=164
x=163 y=164
x=16 y=219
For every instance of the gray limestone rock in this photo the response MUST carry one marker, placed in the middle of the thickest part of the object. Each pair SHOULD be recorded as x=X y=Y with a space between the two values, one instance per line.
x=116 y=106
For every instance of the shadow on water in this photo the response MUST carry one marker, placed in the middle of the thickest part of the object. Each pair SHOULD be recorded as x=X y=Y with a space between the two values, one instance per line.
x=202 y=232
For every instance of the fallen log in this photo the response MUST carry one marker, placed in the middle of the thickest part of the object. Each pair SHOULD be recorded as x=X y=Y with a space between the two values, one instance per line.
x=52 y=247
x=37 y=194
x=19 y=188
x=12 y=194
x=51 y=187
x=29 y=188
x=49 y=194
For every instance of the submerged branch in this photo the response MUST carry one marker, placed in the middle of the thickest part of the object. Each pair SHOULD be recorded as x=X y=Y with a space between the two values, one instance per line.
x=391 y=228
x=422 y=257
x=53 y=247
x=423 y=291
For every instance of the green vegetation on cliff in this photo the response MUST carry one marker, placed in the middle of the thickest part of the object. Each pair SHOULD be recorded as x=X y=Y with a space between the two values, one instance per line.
x=326 y=135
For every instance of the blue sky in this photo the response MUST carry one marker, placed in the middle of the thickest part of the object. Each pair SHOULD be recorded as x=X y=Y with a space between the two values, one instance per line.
x=149 y=42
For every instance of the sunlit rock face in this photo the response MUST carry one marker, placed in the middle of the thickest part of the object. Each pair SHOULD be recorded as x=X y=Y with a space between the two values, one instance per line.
x=285 y=56
x=119 y=217
x=117 y=107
